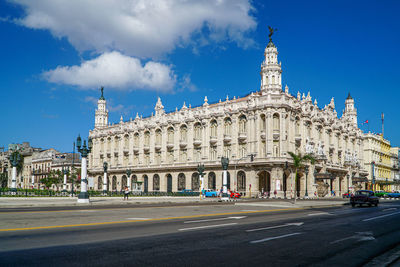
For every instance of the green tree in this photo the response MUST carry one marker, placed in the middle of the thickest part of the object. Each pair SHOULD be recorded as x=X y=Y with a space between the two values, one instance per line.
x=54 y=177
x=298 y=161
x=3 y=179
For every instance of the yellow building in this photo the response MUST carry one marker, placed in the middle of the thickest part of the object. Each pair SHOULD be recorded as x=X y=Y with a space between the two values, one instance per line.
x=379 y=158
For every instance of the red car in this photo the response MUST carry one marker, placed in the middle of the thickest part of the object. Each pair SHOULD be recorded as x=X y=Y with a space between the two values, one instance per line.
x=235 y=195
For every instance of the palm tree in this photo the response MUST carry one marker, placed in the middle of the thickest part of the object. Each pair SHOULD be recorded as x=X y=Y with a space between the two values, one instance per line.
x=298 y=162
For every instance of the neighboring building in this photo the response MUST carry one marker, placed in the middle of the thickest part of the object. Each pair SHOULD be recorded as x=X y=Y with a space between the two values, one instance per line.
x=394 y=152
x=381 y=162
x=4 y=164
x=47 y=160
x=66 y=161
x=163 y=150
x=25 y=173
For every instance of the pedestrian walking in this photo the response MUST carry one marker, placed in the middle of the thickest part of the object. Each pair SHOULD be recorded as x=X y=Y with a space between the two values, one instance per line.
x=275 y=193
x=126 y=193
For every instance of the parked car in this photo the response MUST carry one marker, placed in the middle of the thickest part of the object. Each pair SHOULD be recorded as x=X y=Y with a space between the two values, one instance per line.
x=235 y=195
x=395 y=194
x=210 y=193
x=380 y=193
x=364 y=197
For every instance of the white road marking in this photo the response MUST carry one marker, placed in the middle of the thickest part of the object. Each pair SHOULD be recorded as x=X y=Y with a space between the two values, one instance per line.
x=138 y=218
x=360 y=236
x=319 y=213
x=277 y=226
x=217 y=219
x=272 y=238
x=378 y=217
x=207 y=226
x=389 y=209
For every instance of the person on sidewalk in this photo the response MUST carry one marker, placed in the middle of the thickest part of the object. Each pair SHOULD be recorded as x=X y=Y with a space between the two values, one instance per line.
x=126 y=193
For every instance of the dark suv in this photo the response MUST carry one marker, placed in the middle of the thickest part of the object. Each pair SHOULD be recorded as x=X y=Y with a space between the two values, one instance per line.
x=364 y=197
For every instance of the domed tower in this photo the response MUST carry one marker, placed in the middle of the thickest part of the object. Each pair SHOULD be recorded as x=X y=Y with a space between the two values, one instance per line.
x=101 y=115
x=350 y=111
x=271 y=71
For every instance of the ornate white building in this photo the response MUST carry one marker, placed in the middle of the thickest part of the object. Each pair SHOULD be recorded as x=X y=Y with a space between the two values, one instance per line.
x=255 y=132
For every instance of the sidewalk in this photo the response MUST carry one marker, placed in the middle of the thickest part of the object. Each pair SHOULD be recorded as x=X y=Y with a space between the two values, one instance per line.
x=20 y=202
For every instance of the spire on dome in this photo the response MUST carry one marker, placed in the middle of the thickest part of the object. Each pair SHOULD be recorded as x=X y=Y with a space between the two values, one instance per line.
x=349 y=96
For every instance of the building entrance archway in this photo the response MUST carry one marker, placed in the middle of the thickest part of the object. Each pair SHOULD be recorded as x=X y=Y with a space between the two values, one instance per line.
x=146 y=183
x=169 y=183
x=264 y=181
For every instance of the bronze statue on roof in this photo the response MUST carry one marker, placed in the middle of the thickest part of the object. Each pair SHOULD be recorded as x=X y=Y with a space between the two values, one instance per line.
x=271 y=32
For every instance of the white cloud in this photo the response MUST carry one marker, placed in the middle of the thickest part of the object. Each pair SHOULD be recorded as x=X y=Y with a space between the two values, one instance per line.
x=141 y=28
x=116 y=71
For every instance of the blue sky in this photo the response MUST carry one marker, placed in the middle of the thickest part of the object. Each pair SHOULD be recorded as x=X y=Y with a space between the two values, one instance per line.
x=56 y=54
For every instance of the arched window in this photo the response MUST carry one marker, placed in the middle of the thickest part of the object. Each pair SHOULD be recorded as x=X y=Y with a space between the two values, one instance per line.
x=227 y=126
x=156 y=182
x=197 y=131
x=158 y=136
x=170 y=135
x=262 y=122
x=195 y=182
x=309 y=130
x=102 y=145
x=183 y=133
x=211 y=181
x=124 y=181
x=99 y=183
x=242 y=124
x=108 y=143
x=126 y=141
x=114 y=183
x=181 y=182
x=213 y=128
x=136 y=140
x=276 y=122
x=297 y=126
x=241 y=181
x=147 y=138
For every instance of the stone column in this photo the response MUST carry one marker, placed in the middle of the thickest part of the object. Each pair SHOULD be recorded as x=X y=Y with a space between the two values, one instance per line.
x=105 y=183
x=83 y=195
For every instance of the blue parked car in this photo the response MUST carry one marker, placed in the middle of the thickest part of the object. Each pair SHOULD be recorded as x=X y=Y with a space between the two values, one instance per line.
x=395 y=194
x=210 y=193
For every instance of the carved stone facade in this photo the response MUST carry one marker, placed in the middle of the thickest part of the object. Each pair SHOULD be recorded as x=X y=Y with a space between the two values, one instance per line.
x=163 y=150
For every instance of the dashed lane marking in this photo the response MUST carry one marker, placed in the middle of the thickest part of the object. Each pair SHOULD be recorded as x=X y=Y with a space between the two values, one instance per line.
x=379 y=217
x=155 y=219
x=273 y=238
x=206 y=227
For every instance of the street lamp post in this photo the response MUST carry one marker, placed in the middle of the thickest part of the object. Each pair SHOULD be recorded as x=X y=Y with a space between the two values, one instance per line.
x=225 y=164
x=65 y=171
x=15 y=157
x=33 y=178
x=83 y=196
x=306 y=169
x=105 y=166
x=200 y=170
x=128 y=173
x=373 y=175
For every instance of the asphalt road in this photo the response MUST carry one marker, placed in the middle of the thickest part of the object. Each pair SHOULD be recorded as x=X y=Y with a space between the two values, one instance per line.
x=202 y=235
